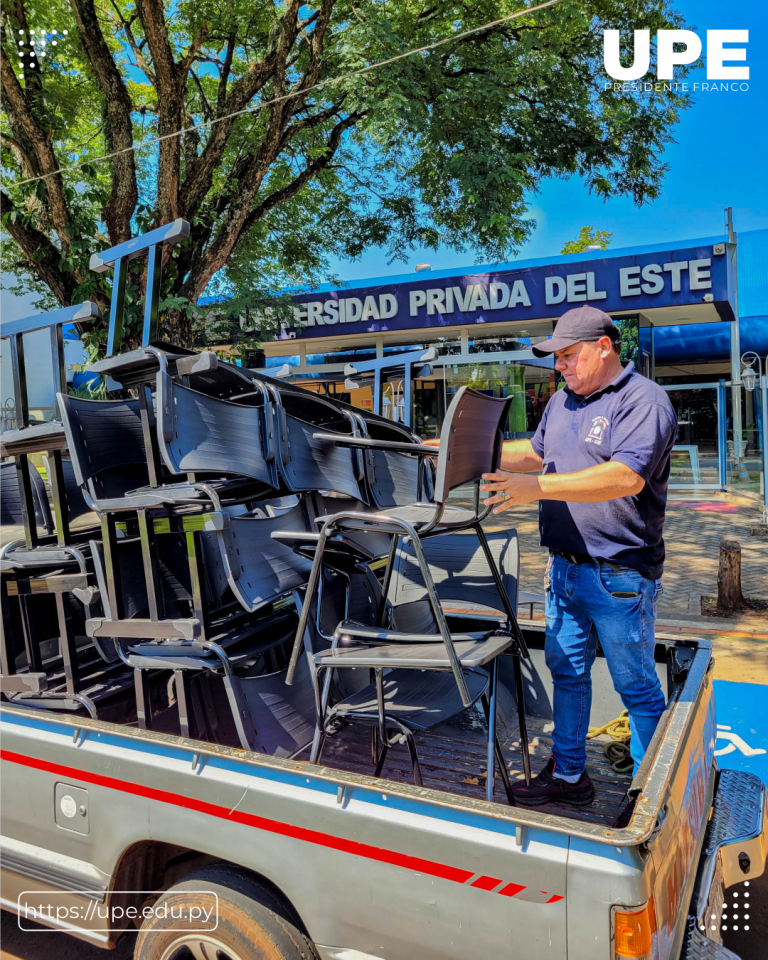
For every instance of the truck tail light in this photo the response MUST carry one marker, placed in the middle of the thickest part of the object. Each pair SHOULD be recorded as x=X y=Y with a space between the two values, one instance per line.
x=634 y=934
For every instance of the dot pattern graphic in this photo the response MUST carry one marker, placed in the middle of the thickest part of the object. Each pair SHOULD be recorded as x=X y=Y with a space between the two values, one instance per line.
x=735 y=915
x=34 y=50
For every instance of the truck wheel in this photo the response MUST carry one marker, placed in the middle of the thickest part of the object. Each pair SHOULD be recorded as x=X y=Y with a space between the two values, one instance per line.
x=253 y=923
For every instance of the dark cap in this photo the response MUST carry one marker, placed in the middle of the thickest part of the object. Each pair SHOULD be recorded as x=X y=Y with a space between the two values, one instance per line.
x=581 y=323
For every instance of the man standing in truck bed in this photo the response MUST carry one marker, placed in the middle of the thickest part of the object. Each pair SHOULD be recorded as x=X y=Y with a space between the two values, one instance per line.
x=602 y=450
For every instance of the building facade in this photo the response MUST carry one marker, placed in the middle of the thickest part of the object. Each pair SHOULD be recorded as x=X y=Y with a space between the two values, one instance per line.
x=687 y=311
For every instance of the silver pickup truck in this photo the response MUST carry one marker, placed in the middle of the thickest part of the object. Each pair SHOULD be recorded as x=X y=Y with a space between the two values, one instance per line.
x=106 y=826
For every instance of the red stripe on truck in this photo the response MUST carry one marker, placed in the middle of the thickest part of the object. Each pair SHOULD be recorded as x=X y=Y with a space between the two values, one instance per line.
x=353 y=847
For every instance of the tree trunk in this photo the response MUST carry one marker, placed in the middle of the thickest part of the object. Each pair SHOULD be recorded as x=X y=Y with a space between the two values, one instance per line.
x=729 y=595
x=178 y=327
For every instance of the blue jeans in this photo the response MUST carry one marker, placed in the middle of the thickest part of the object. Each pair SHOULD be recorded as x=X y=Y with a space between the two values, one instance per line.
x=579 y=609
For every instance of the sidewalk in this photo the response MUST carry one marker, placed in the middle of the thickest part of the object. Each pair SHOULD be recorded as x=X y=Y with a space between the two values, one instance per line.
x=693 y=531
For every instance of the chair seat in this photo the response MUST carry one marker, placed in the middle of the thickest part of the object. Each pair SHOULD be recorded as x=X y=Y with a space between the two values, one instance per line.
x=420 y=514
x=416 y=656
x=373 y=635
x=421 y=701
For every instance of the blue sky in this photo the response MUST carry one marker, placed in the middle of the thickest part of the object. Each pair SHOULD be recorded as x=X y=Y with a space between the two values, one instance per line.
x=720 y=159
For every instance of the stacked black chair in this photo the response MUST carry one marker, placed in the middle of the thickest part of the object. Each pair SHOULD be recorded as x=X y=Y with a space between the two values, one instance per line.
x=47 y=576
x=190 y=479
x=214 y=519
x=12 y=505
x=410 y=651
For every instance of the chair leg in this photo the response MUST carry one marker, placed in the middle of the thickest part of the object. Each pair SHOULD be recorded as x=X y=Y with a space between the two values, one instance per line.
x=68 y=648
x=318 y=742
x=374 y=745
x=149 y=562
x=31 y=649
x=411 y=741
x=523 y=651
x=387 y=579
x=380 y=761
x=491 y=751
x=521 y=721
x=182 y=701
x=505 y=601
x=314 y=576
x=500 y=760
x=143 y=706
x=442 y=624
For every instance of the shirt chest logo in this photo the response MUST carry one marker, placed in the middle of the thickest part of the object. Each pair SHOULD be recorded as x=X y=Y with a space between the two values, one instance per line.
x=597 y=430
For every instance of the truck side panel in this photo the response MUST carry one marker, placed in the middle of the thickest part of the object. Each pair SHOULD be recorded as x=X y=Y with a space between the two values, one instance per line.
x=459 y=884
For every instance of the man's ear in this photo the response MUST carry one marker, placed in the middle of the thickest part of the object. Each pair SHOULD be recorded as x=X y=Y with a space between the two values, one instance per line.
x=606 y=347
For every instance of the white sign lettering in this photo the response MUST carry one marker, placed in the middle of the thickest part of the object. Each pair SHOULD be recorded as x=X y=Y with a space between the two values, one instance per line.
x=484 y=296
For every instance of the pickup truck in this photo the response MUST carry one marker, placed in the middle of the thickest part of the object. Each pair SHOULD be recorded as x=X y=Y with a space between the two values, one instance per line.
x=218 y=852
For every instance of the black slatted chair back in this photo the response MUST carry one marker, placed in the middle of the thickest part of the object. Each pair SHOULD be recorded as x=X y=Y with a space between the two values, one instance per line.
x=203 y=434
x=306 y=464
x=459 y=569
x=471 y=439
x=393 y=478
x=106 y=445
x=73 y=495
x=10 y=497
x=244 y=557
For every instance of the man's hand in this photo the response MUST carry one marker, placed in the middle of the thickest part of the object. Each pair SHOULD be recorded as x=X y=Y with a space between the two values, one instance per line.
x=510 y=489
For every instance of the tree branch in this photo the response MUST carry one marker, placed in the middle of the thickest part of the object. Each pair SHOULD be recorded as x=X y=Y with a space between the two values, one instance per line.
x=43 y=259
x=118 y=128
x=18 y=108
x=186 y=63
x=169 y=108
x=221 y=92
x=141 y=63
x=24 y=160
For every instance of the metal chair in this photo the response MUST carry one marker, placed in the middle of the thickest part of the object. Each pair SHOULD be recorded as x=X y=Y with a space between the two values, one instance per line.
x=265 y=716
x=470 y=446
x=308 y=457
x=412 y=700
x=198 y=434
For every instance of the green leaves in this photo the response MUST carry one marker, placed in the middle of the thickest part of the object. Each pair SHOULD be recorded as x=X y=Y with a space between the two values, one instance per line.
x=447 y=148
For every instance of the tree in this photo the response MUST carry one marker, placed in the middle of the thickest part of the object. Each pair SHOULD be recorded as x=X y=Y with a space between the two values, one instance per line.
x=588 y=237
x=443 y=147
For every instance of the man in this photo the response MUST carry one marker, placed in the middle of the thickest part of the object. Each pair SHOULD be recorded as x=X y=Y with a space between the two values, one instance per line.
x=602 y=450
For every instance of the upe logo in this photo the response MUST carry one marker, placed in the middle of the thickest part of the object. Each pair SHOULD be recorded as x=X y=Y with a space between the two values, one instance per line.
x=667 y=58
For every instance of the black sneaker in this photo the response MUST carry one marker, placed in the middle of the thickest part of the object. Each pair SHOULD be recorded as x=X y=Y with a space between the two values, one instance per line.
x=547 y=788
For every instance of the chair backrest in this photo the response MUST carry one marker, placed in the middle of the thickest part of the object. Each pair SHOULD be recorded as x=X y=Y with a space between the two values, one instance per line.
x=73 y=495
x=459 y=569
x=244 y=556
x=10 y=497
x=106 y=445
x=306 y=464
x=393 y=478
x=199 y=433
x=471 y=439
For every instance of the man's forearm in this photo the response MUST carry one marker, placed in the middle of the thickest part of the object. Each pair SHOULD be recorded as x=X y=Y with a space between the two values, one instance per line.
x=605 y=481
x=518 y=456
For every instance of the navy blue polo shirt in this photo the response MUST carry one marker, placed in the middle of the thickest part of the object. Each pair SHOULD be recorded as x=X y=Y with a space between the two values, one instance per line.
x=631 y=421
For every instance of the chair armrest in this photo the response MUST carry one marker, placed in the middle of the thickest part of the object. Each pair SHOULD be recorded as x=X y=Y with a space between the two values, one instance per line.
x=367 y=443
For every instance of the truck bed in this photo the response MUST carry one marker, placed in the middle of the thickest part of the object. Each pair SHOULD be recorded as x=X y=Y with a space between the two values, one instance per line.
x=453 y=759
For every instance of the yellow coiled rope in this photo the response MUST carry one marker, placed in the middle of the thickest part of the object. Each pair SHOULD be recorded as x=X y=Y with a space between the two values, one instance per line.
x=618 y=750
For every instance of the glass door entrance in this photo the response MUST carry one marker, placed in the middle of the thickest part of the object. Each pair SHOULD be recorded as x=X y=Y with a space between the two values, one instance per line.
x=529 y=383
x=696 y=454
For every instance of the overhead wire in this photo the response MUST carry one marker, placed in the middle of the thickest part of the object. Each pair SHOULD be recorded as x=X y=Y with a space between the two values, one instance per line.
x=254 y=108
